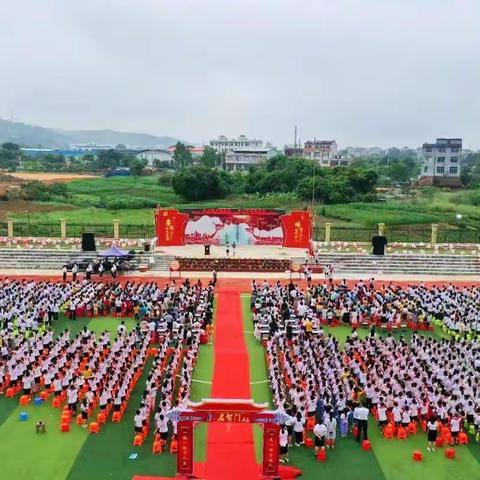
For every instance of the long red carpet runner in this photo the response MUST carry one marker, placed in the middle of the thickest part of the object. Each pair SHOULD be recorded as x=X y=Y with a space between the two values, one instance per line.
x=230 y=447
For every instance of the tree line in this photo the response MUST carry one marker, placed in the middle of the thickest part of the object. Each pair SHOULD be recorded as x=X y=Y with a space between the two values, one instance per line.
x=280 y=174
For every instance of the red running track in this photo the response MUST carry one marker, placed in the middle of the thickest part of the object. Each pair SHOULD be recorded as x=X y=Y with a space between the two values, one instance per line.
x=230 y=447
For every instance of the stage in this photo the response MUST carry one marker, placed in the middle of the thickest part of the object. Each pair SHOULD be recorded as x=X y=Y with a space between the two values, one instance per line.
x=243 y=251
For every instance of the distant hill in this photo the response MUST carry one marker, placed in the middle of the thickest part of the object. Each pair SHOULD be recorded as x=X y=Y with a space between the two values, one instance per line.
x=32 y=136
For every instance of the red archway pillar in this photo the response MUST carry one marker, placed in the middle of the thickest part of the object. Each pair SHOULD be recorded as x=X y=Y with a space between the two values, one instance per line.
x=271 y=449
x=185 y=448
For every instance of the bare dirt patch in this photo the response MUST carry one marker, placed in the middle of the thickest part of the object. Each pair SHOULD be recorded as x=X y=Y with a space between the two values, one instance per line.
x=49 y=177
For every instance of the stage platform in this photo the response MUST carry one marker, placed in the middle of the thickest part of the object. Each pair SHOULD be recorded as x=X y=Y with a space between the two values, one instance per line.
x=242 y=251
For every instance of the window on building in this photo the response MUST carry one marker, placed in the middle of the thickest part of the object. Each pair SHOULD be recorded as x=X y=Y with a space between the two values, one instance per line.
x=440 y=169
x=428 y=149
x=453 y=169
x=440 y=159
x=454 y=150
x=441 y=149
x=425 y=169
x=453 y=159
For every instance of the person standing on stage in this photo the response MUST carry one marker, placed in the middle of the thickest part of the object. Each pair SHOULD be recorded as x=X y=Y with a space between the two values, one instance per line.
x=74 y=272
x=88 y=271
x=227 y=248
x=64 y=273
x=234 y=247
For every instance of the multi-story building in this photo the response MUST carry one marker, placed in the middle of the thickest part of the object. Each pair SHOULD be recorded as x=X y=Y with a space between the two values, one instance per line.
x=441 y=162
x=322 y=151
x=224 y=144
x=244 y=158
x=195 y=151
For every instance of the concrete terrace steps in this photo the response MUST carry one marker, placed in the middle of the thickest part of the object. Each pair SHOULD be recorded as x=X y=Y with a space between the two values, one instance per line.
x=398 y=263
x=44 y=259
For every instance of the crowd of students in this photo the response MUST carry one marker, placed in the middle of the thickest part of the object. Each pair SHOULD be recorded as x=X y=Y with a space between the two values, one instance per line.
x=88 y=370
x=398 y=380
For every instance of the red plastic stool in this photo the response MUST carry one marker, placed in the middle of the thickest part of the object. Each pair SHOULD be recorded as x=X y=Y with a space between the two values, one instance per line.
x=366 y=445
x=321 y=455
x=417 y=455
x=450 y=453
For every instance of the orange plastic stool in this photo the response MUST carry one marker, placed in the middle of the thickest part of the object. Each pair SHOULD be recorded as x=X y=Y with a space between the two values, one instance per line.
x=79 y=419
x=157 y=446
x=412 y=428
x=402 y=433
x=57 y=402
x=173 y=446
x=94 y=427
x=462 y=438
x=309 y=442
x=417 y=455
x=10 y=393
x=138 y=440
x=450 y=453
x=388 y=432
x=101 y=418
x=116 y=417
x=44 y=395
x=439 y=442
x=65 y=427
x=24 y=399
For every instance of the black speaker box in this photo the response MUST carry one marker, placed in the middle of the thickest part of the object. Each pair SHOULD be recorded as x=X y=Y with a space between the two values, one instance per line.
x=379 y=244
x=88 y=242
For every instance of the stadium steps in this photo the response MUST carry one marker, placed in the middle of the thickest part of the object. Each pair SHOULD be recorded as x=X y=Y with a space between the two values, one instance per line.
x=405 y=264
x=46 y=259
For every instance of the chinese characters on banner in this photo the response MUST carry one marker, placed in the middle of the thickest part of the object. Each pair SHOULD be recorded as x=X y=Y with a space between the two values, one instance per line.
x=230 y=417
x=271 y=449
x=297 y=229
x=170 y=227
x=185 y=448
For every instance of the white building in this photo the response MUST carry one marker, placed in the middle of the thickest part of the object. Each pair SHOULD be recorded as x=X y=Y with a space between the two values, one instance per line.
x=323 y=151
x=244 y=158
x=441 y=162
x=224 y=144
x=154 y=155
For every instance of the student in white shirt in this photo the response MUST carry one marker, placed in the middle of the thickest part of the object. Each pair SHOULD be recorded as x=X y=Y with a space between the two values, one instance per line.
x=298 y=428
x=432 y=427
x=320 y=431
x=283 y=444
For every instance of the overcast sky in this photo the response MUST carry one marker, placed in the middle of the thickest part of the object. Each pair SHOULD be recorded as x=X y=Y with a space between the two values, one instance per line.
x=363 y=72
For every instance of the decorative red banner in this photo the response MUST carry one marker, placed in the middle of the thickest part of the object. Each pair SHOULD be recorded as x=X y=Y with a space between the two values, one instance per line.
x=271 y=449
x=185 y=448
x=170 y=227
x=297 y=229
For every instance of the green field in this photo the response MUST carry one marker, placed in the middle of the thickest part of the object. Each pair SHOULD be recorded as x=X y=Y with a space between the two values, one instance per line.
x=132 y=200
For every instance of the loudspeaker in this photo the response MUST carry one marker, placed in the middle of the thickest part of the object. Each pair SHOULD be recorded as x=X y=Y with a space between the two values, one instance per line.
x=88 y=242
x=379 y=243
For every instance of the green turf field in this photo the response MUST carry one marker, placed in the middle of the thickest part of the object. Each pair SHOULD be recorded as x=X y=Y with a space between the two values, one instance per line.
x=77 y=455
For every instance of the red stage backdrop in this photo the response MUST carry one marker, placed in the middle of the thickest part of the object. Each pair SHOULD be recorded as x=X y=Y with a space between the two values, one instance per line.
x=242 y=226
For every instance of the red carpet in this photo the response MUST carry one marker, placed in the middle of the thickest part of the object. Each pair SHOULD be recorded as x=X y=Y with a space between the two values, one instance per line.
x=230 y=447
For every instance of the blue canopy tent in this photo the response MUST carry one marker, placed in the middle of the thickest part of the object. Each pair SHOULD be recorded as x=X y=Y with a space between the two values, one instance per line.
x=113 y=252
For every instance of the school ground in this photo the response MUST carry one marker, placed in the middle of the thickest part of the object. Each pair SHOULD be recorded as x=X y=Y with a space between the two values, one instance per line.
x=239 y=367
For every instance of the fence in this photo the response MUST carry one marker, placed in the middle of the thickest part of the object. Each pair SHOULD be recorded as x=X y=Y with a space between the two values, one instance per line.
x=101 y=230
x=321 y=233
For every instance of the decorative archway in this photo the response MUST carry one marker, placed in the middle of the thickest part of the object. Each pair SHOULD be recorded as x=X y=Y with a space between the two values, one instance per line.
x=228 y=411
